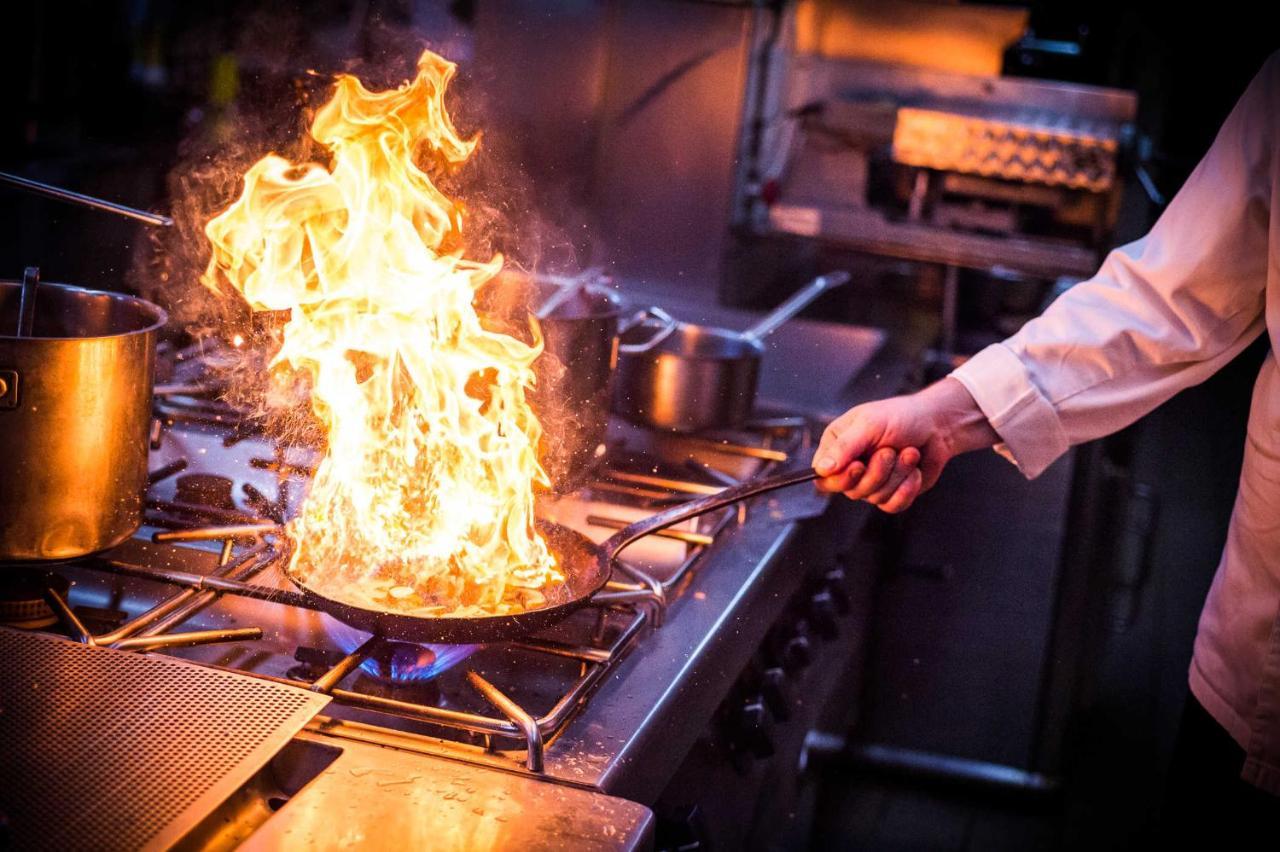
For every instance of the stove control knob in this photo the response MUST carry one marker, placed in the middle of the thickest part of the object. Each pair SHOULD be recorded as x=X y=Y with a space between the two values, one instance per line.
x=755 y=727
x=835 y=581
x=796 y=652
x=824 y=615
x=773 y=689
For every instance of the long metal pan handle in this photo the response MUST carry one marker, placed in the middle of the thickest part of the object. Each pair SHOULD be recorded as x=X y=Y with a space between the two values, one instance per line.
x=657 y=317
x=84 y=200
x=617 y=542
x=794 y=305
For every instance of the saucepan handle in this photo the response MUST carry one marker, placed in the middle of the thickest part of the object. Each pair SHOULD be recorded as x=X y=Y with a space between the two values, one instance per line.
x=795 y=304
x=692 y=509
x=653 y=317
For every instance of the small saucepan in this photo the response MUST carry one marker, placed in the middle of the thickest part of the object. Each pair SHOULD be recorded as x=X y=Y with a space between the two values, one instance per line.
x=689 y=377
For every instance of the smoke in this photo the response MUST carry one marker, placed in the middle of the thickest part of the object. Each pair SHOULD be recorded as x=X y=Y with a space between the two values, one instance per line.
x=533 y=227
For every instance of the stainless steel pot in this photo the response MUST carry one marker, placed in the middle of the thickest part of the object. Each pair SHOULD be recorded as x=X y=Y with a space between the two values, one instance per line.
x=687 y=377
x=575 y=376
x=75 y=407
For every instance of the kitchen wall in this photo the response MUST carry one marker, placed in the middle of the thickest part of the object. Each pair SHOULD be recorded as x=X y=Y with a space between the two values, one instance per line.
x=626 y=115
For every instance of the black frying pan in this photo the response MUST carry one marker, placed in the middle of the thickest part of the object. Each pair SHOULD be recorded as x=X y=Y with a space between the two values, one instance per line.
x=586 y=567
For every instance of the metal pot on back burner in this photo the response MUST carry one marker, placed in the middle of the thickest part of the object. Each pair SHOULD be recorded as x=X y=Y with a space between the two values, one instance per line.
x=75 y=408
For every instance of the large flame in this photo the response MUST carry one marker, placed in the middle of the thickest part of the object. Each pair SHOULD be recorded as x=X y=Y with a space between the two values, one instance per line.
x=424 y=499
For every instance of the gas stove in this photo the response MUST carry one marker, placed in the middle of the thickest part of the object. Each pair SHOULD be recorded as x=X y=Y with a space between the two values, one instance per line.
x=706 y=637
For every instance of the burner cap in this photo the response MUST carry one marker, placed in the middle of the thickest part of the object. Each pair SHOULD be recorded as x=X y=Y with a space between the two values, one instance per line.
x=22 y=602
x=206 y=489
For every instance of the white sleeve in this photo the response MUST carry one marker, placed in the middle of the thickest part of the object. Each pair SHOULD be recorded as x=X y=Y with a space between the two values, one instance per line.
x=1162 y=313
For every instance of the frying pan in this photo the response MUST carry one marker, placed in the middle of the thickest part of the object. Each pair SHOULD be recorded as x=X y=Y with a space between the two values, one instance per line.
x=586 y=567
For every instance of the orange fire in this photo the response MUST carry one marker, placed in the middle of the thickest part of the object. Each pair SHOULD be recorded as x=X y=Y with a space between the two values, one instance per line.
x=423 y=501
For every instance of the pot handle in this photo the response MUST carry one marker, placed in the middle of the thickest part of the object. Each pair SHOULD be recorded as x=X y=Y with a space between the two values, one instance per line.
x=655 y=317
x=798 y=301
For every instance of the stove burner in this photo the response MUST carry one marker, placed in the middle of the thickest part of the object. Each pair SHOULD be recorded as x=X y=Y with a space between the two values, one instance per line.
x=206 y=489
x=403 y=662
x=22 y=602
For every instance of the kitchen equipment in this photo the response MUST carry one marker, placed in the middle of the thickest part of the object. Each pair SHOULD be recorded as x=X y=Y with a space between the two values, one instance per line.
x=67 y=195
x=607 y=703
x=75 y=408
x=108 y=767
x=699 y=377
x=579 y=319
x=586 y=568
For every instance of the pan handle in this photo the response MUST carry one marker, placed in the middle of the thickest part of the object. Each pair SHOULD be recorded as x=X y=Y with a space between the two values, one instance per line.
x=641 y=528
x=651 y=316
x=794 y=305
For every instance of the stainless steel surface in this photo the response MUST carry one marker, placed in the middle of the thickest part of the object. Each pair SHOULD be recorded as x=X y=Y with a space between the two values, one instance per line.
x=77 y=431
x=700 y=377
x=375 y=797
x=869 y=230
x=67 y=195
x=139 y=749
x=857 y=79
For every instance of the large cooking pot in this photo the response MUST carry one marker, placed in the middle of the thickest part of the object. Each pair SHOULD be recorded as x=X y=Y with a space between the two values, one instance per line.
x=688 y=377
x=579 y=322
x=75 y=407
x=575 y=376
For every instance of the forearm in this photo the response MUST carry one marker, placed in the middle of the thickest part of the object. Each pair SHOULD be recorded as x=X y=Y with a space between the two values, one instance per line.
x=1163 y=313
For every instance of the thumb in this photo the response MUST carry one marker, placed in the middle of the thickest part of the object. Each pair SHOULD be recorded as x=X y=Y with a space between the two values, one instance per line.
x=846 y=439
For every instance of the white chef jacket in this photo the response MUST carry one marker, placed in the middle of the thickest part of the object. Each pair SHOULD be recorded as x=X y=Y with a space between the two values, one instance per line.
x=1162 y=314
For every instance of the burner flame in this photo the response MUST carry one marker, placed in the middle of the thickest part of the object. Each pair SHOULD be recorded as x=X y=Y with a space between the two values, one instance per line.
x=402 y=662
x=405 y=663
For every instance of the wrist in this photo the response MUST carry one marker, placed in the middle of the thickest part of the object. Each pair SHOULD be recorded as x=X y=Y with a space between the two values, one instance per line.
x=959 y=422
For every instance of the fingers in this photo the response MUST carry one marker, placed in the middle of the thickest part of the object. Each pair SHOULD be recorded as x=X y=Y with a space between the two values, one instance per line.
x=905 y=494
x=891 y=480
x=907 y=462
x=879 y=469
x=843 y=480
x=847 y=438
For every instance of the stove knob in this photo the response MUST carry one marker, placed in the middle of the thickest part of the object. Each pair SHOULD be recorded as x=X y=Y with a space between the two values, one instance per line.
x=824 y=615
x=796 y=653
x=755 y=728
x=773 y=689
x=834 y=581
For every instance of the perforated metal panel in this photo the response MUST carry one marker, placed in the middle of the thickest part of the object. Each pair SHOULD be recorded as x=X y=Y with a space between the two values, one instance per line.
x=103 y=749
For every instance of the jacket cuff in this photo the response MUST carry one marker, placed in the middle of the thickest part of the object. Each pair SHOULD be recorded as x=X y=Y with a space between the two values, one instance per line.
x=1028 y=425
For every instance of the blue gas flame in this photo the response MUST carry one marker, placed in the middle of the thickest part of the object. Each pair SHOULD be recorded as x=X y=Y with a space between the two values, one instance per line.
x=403 y=662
